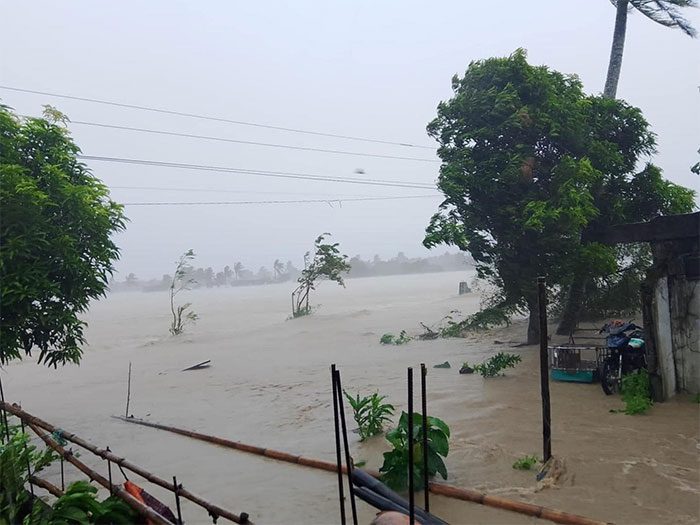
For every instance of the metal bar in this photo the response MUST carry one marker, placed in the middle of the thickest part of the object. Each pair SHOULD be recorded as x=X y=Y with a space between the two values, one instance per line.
x=176 y=490
x=544 y=371
x=120 y=492
x=123 y=463
x=348 y=459
x=411 y=488
x=424 y=402
x=63 y=479
x=339 y=462
x=4 y=412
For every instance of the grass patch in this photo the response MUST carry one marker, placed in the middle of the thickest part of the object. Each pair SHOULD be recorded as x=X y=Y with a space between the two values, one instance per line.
x=526 y=462
x=391 y=339
x=636 y=393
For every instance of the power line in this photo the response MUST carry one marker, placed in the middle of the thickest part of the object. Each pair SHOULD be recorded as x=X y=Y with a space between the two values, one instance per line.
x=340 y=201
x=260 y=173
x=249 y=142
x=217 y=190
x=217 y=119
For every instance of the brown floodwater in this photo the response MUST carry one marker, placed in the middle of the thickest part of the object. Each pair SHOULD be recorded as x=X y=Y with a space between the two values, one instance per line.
x=269 y=385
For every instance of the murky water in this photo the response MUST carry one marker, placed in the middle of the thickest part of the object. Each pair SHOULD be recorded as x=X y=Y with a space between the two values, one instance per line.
x=270 y=386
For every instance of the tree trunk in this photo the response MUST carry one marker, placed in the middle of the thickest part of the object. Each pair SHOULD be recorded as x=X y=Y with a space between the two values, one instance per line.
x=533 y=324
x=572 y=308
x=617 y=49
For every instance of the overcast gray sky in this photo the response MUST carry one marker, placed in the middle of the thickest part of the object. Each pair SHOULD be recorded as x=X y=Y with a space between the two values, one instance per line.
x=366 y=68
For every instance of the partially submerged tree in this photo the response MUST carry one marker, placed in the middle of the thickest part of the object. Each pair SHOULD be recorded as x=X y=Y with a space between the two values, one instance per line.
x=664 y=12
x=530 y=163
x=56 y=248
x=182 y=280
x=327 y=263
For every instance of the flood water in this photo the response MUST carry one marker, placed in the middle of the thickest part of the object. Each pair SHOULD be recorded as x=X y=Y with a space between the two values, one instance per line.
x=269 y=385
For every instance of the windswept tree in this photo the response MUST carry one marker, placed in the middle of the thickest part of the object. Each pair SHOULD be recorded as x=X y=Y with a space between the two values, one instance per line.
x=327 y=263
x=56 y=247
x=664 y=12
x=278 y=268
x=238 y=270
x=530 y=164
x=182 y=281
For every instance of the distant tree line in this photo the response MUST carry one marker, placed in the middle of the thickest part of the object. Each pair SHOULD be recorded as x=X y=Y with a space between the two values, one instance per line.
x=239 y=275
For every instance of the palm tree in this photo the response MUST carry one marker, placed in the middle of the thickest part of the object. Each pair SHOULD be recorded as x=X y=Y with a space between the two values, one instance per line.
x=664 y=12
x=237 y=269
x=278 y=268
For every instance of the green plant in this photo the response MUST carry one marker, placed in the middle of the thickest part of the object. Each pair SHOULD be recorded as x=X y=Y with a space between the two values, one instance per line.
x=327 y=263
x=15 y=455
x=182 y=314
x=79 y=506
x=56 y=248
x=526 y=462
x=696 y=398
x=394 y=470
x=636 y=392
x=494 y=365
x=391 y=339
x=370 y=413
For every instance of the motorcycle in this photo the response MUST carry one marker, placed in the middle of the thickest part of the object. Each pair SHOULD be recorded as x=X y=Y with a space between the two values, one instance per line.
x=626 y=354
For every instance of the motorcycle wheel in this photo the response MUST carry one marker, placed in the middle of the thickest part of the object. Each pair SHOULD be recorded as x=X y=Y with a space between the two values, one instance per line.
x=609 y=380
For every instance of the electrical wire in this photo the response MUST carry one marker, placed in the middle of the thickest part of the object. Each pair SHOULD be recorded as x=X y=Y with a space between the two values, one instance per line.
x=261 y=173
x=248 y=142
x=216 y=190
x=216 y=119
x=340 y=201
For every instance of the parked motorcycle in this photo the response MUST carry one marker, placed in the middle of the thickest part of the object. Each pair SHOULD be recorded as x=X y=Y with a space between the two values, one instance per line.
x=626 y=353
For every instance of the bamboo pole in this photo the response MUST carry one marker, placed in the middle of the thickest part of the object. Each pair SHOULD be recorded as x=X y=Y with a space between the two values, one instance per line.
x=47 y=486
x=214 y=510
x=440 y=489
x=119 y=491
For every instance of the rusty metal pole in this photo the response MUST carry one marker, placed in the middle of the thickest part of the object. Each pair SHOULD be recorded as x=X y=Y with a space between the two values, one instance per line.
x=339 y=462
x=424 y=402
x=411 y=488
x=348 y=459
x=544 y=371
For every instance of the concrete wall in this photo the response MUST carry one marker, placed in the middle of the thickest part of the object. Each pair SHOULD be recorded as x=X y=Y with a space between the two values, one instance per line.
x=664 y=339
x=684 y=296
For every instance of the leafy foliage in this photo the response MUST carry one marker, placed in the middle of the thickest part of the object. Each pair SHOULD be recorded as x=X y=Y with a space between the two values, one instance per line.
x=636 y=392
x=370 y=413
x=327 y=263
x=525 y=462
x=56 y=251
x=494 y=365
x=15 y=455
x=391 y=339
x=482 y=320
x=79 y=506
x=182 y=314
x=394 y=470
x=529 y=164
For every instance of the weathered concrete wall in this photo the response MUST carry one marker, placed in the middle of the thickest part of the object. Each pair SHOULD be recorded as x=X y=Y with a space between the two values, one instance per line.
x=664 y=338
x=684 y=296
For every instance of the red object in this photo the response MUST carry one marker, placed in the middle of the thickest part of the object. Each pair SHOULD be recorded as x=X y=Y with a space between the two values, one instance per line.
x=145 y=498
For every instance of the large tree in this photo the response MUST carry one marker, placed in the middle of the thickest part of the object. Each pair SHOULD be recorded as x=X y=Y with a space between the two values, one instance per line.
x=56 y=248
x=664 y=12
x=530 y=163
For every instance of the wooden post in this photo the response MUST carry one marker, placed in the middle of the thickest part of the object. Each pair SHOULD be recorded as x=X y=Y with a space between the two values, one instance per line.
x=128 y=392
x=544 y=371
